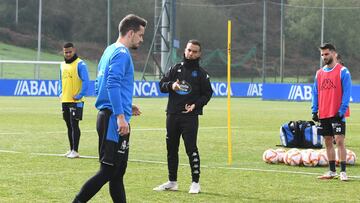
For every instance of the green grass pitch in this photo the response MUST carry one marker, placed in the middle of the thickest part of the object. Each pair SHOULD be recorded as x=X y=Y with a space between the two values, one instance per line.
x=31 y=125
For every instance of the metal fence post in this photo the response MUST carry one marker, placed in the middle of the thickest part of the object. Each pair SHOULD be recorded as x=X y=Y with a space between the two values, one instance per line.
x=35 y=67
x=1 y=70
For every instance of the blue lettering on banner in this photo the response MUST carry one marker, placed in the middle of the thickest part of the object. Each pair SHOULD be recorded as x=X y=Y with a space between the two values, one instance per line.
x=35 y=88
x=297 y=92
x=220 y=89
x=242 y=89
x=237 y=89
x=28 y=87
x=254 y=90
x=300 y=92
x=147 y=89
x=268 y=91
x=141 y=88
x=290 y=92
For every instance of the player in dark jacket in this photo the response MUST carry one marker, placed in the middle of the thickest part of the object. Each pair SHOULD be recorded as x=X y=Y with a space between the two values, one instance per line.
x=189 y=91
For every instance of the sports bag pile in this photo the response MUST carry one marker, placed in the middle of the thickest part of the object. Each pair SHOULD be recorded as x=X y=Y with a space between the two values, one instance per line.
x=300 y=134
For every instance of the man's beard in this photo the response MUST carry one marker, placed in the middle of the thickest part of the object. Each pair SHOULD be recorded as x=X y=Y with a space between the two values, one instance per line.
x=329 y=61
x=134 y=46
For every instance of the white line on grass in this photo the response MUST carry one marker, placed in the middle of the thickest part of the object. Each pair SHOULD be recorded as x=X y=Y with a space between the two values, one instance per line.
x=133 y=129
x=203 y=166
x=235 y=168
x=268 y=170
x=46 y=154
x=8 y=151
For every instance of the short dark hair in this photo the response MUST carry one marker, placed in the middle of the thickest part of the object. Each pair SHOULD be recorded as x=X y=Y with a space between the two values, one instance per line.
x=327 y=46
x=195 y=42
x=131 y=22
x=68 y=45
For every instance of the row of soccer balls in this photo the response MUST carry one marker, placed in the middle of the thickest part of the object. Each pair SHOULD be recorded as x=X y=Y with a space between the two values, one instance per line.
x=307 y=157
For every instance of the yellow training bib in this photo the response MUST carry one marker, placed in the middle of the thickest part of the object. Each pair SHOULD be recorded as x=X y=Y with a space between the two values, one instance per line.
x=70 y=81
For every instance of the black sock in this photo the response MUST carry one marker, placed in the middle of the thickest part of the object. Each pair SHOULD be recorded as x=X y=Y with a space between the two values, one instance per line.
x=343 y=166
x=332 y=166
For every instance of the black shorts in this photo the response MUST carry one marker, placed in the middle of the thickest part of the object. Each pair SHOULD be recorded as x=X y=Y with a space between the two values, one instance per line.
x=331 y=127
x=73 y=110
x=113 y=148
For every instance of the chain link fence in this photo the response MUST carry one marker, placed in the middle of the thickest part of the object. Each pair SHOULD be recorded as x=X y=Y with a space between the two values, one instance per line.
x=272 y=40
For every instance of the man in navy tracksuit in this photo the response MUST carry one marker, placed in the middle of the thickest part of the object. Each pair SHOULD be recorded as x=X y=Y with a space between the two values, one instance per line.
x=189 y=90
x=114 y=87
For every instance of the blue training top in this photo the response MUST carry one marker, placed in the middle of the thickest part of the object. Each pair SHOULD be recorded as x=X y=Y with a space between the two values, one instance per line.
x=115 y=81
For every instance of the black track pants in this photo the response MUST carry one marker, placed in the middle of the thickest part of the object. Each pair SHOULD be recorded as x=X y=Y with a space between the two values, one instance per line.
x=72 y=125
x=187 y=127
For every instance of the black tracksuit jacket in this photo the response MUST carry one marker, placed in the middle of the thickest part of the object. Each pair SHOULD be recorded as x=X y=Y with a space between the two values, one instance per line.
x=196 y=82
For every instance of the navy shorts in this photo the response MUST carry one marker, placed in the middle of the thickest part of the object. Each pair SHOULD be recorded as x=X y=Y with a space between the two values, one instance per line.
x=113 y=148
x=72 y=110
x=331 y=127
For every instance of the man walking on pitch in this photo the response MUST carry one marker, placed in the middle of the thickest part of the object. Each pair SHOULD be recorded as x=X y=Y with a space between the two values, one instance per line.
x=114 y=87
x=330 y=106
x=189 y=91
x=73 y=84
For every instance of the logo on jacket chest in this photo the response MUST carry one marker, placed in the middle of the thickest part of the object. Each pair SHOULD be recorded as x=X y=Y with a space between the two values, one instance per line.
x=194 y=74
x=185 y=88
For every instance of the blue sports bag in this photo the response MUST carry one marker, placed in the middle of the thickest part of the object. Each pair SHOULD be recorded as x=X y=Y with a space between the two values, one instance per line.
x=300 y=134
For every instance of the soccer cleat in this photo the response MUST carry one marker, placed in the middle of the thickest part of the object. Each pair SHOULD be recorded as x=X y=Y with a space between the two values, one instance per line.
x=67 y=153
x=73 y=154
x=170 y=185
x=343 y=176
x=194 y=188
x=328 y=175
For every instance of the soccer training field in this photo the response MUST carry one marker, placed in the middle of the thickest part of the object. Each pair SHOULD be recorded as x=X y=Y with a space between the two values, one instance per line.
x=33 y=135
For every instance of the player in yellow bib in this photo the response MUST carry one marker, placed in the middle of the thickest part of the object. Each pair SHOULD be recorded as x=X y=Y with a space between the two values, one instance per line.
x=73 y=85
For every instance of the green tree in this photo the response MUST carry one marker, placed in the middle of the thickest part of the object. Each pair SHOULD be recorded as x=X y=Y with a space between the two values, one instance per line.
x=341 y=27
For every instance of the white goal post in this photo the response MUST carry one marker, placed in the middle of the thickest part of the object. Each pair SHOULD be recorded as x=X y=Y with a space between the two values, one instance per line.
x=34 y=63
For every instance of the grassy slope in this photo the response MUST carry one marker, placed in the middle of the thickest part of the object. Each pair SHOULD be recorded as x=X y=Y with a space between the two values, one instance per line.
x=26 y=71
x=34 y=125
x=21 y=71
